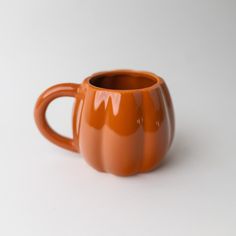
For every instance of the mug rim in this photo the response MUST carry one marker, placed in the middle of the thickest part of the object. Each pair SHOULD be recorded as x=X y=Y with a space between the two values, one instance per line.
x=158 y=80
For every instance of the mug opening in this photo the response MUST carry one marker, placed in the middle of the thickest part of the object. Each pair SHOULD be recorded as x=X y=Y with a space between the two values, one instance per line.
x=122 y=81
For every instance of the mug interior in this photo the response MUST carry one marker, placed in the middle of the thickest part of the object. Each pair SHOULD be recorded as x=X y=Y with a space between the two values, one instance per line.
x=122 y=81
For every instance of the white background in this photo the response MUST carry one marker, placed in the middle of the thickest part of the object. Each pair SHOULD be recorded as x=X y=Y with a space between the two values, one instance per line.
x=45 y=190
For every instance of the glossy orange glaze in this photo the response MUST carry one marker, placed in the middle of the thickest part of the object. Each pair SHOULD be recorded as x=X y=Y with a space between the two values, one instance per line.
x=123 y=120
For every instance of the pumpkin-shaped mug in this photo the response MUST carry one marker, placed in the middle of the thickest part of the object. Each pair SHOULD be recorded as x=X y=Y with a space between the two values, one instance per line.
x=123 y=120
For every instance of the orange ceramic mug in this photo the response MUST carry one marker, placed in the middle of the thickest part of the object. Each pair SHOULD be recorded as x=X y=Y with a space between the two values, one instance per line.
x=123 y=120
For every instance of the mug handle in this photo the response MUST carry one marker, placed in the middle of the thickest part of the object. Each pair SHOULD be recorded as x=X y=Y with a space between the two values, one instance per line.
x=56 y=91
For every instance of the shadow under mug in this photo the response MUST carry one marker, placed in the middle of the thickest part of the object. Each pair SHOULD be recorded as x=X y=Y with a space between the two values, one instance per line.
x=123 y=120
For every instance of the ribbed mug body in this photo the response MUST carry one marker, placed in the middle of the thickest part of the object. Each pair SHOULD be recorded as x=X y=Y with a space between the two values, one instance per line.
x=124 y=131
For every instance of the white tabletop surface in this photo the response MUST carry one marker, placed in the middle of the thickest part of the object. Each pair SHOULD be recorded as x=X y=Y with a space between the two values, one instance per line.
x=45 y=190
